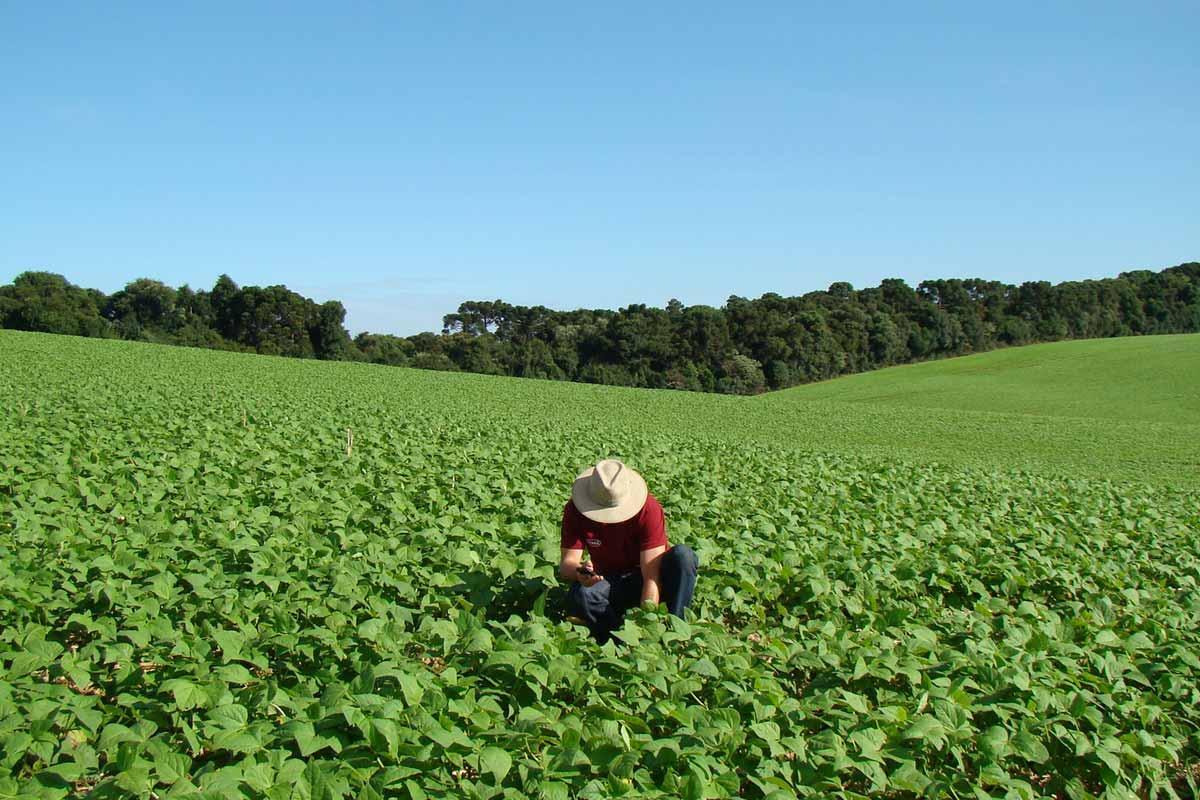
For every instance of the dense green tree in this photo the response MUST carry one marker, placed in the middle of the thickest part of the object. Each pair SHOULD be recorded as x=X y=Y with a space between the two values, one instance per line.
x=885 y=343
x=484 y=354
x=741 y=375
x=379 y=348
x=534 y=359
x=223 y=304
x=778 y=374
x=330 y=340
x=49 y=303
x=145 y=308
x=437 y=361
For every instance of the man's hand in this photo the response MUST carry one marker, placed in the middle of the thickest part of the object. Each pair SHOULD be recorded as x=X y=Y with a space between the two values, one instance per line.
x=570 y=568
x=589 y=578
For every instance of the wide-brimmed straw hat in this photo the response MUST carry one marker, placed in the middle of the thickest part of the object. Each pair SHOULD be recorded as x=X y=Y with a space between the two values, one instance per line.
x=609 y=492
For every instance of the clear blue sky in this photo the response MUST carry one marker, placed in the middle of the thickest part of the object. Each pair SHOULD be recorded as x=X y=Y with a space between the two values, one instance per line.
x=405 y=157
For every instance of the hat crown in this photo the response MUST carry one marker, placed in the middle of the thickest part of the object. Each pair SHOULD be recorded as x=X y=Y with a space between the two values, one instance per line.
x=609 y=492
x=609 y=483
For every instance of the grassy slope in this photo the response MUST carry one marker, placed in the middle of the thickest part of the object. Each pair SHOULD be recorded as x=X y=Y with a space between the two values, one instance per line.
x=1149 y=379
x=1120 y=408
x=816 y=418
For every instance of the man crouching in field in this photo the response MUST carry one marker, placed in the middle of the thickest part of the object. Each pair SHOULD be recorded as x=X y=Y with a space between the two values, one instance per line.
x=614 y=517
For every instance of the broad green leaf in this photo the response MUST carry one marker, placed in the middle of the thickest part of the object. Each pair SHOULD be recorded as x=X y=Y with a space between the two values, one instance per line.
x=187 y=694
x=1028 y=747
x=387 y=733
x=993 y=743
x=494 y=761
x=926 y=728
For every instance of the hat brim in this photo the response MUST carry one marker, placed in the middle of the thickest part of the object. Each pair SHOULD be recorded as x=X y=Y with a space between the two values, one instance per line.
x=627 y=509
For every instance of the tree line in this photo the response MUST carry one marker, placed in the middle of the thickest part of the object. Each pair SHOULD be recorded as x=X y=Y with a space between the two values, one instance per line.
x=744 y=347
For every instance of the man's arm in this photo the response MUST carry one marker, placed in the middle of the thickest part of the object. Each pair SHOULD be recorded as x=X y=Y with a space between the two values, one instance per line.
x=568 y=568
x=572 y=550
x=651 y=564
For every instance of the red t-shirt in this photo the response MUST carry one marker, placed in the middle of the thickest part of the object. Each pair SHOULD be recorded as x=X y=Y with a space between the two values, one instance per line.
x=615 y=547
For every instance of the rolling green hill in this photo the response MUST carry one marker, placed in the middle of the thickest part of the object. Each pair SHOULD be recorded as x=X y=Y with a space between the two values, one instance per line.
x=1137 y=378
x=1118 y=408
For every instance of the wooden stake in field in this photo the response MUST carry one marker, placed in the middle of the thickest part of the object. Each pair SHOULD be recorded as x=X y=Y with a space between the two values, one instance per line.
x=349 y=441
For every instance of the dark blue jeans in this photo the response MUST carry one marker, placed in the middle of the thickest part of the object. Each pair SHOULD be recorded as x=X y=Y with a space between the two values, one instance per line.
x=602 y=606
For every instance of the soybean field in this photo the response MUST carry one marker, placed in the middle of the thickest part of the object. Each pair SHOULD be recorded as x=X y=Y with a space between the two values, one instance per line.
x=225 y=575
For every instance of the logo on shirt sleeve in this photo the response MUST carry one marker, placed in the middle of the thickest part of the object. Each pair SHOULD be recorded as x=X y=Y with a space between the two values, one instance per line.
x=593 y=542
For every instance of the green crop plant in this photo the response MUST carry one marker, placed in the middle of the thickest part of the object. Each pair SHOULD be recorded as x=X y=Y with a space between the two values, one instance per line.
x=209 y=589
